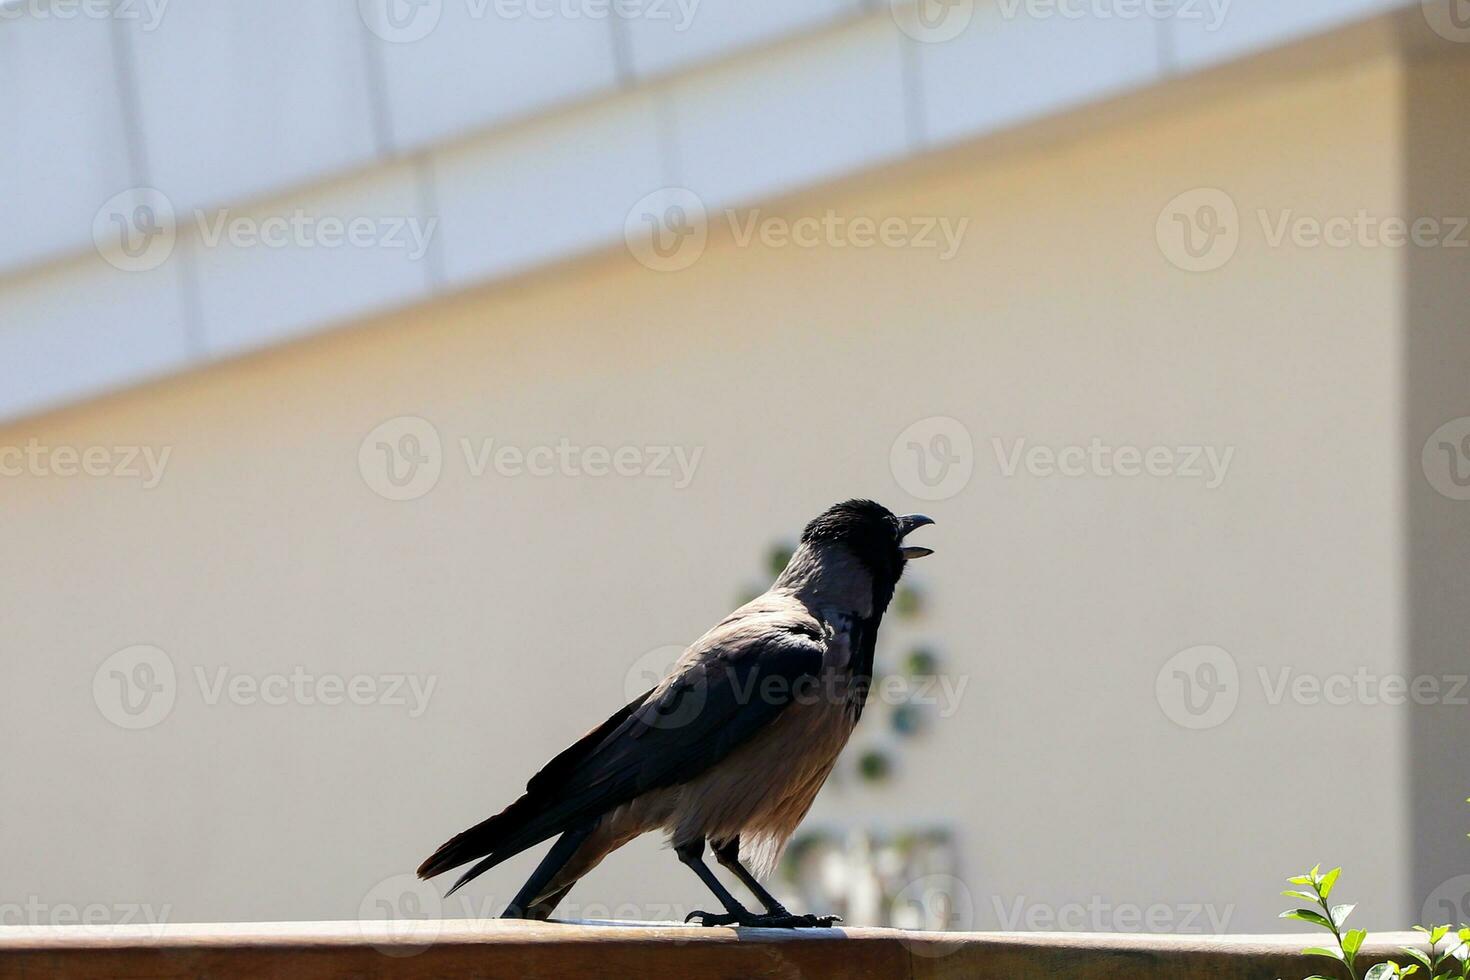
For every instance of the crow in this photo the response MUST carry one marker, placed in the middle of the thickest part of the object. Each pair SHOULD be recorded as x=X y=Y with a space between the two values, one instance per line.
x=731 y=747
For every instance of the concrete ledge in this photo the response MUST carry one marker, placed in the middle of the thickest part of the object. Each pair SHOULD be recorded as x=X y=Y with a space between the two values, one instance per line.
x=462 y=948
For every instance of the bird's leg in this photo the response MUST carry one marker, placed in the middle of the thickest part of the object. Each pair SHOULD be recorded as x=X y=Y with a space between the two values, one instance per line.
x=692 y=854
x=728 y=854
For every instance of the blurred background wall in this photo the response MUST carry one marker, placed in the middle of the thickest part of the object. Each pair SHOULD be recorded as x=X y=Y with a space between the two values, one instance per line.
x=1161 y=693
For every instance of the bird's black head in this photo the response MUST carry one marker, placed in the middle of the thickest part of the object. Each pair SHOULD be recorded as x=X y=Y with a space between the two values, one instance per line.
x=874 y=535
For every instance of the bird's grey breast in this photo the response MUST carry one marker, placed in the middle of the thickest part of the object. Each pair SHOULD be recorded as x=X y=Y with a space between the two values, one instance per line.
x=841 y=629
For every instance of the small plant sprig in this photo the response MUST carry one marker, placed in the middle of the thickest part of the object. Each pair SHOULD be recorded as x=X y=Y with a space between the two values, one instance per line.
x=1332 y=918
x=1452 y=962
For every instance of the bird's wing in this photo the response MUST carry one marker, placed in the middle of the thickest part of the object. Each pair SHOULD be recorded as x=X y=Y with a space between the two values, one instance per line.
x=698 y=717
x=737 y=679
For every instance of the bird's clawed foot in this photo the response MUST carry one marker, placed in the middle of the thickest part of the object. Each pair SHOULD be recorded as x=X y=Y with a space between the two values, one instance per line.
x=754 y=920
x=789 y=921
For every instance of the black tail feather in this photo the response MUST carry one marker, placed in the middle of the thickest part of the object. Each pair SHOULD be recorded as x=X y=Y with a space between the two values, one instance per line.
x=489 y=836
x=525 y=823
x=524 y=905
x=533 y=818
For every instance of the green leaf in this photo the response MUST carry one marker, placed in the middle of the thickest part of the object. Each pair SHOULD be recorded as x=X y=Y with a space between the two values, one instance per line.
x=1331 y=954
x=1381 y=971
x=1438 y=934
x=1419 y=955
x=1305 y=879
x=1353 y=941
x=1304 y=896
x=1340 y=914
x=1307 y=915
x=1329 y=880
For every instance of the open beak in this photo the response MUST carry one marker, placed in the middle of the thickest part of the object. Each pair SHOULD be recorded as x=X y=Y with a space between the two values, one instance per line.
x=907 y=524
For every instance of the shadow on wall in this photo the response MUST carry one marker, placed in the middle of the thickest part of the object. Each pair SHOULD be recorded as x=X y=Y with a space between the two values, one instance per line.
x=1437 y=451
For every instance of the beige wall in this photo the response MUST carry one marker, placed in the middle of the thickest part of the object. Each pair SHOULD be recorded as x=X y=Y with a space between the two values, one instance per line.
x=794 y=370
